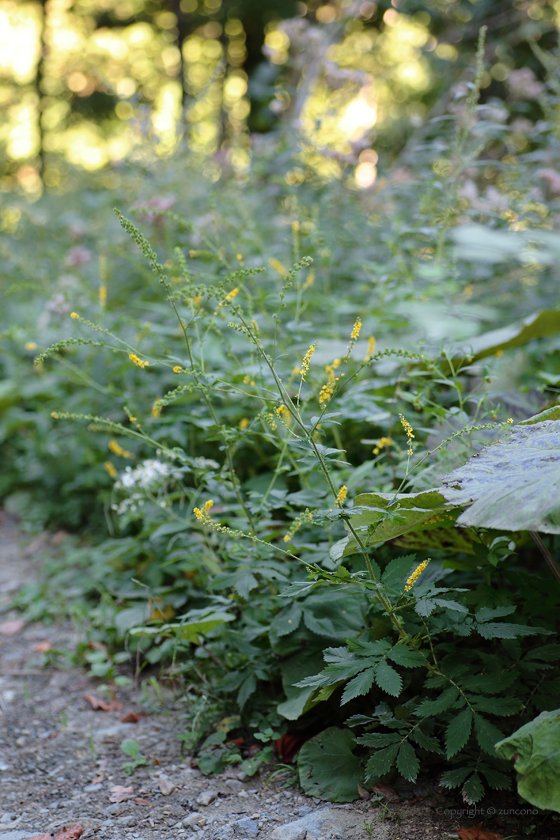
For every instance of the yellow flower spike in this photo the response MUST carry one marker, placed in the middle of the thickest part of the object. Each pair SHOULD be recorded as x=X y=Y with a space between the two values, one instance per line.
x=354 y=335
x=55 y=414
x=295 y=226
x=415 y=575
x=117 y=449
x=281 y=269
x=228 y=298
x=208 y=505
x=342 y=493
x=255 y=325
x=111 y=469
x=243 y=423
x=306 y=361
x=103 y=296
x=309 y=281
x=239 y=257
x=137 y=361
x=30 y=345
x=328 y=388
x=156 y=409
x=74 y=315
x=371 y=348
x=409 y=433
x=177 y=369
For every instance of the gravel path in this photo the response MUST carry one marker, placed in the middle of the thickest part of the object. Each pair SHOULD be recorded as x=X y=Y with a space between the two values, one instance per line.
x=61 y=762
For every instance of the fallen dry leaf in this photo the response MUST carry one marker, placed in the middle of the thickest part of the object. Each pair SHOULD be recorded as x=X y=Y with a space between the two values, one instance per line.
x=98 y=703
x=58 y=538
x=140 y=801
x=381 y=789
x=66 y=834
x=288 y=745
x=71 y=833
x=41 y=647
x=120 y=793
x=133 y=717
x=10 y=628
x=98 y=779
x=478 y=833
x=363 y=793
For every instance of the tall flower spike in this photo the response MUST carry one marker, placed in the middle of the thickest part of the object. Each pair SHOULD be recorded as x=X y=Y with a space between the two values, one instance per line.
x=415 y=575
x=342 y=493
x=306 y=361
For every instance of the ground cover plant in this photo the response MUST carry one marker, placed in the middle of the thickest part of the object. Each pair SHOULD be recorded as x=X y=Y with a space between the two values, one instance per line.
x=312 y=428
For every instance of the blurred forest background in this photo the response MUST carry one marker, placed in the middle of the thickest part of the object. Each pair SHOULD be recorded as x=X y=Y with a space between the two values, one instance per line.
x=93 y=83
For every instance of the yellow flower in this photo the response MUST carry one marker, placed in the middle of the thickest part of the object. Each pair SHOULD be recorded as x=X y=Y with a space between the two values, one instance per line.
x=177 y=369
x=103 y=296
x=228 y=298
x=510 y=419
x=415 y=575
x=111 y=469
x=409 y=433
x=30 y=345
x=239 y=257
x=117 y=449
x=383 y=442
x=295 y=226
x=499 y=353
x=156 y=409
x=309 y=281
x=306 y=361
x=55 y=414
x=328 y=388
x=255 y=325
x=208 y=505
x=282 y=270
x=342 y=493
x=371 y=348
x=354 y=335
x=243 y=423
x=138 y=362
x=196 y=301
x=74 y=315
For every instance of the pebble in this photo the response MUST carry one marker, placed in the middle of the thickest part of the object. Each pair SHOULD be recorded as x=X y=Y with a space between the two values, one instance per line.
x=166 y=786
x=196 y=818
x=207 y=797
x=320 y=824
x=248 y=827
x=234 y=785
x=17 y=835
x=8 y=817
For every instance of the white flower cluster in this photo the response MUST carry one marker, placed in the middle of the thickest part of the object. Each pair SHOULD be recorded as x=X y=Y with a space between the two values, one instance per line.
x=148 y=477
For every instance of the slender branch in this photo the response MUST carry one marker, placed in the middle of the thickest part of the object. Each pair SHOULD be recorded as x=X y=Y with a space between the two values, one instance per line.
x=552 y=564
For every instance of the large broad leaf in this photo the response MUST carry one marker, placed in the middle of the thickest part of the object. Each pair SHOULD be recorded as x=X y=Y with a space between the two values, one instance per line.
x=478 y=243
x=535 y=748
x=378 y=517
x=512 y=485
x=327 y=767
x=537 y=325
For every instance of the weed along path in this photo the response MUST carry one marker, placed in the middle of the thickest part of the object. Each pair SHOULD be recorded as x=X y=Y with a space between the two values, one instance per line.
x=61 y=762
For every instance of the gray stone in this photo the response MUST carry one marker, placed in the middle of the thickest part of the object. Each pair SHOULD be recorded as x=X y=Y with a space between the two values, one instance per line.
x=207 y=797
x=17 y=835
x=325 y=822
x=196 y=818
x=225 y=833
x=247 y=827
x=234 y=785
x=8 y=817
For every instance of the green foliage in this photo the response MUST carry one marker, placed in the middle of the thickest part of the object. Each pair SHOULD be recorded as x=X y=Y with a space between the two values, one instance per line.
x=132 y=748
x=271 y=499
x=535 y=751
x=328 y=768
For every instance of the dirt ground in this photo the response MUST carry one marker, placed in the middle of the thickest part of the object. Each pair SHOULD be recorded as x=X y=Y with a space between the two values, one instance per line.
x=61 y=762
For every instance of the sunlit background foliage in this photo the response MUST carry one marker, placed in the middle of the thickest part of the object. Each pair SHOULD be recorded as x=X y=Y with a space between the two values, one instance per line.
x=91 y=83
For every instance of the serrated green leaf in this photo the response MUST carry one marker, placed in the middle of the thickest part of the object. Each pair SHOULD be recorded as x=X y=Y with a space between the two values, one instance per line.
x=487 y=734
x=327 y=767
x=288 y=620
x=504 y=630
x=512 y=485
x=378 y=740
x=381 y=762
x=388 y=679
x=450 y=605
x=383 y=516
x=490 y=683
x=496 y=780
x=248 y=687
x=454 y=778
x=398 y=570
x=441 y=704
x=404 y=655
x=407 y=762
x=427 y=742
x=425 y=607
x=503 y=706
x=473 y=789
x=485 y=613
x=458 y=732
x=361 y=684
